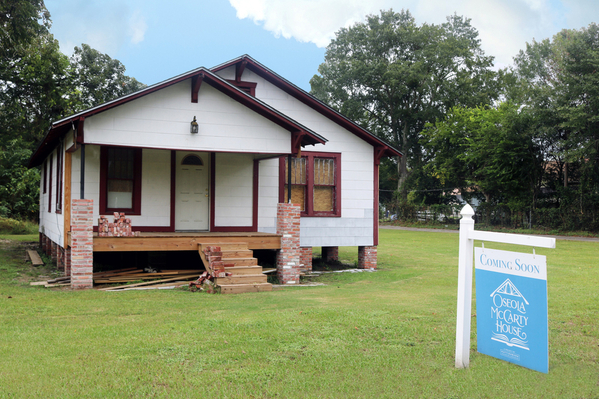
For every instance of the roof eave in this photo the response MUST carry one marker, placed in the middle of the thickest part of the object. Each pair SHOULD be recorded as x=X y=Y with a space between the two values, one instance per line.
x=62 y=126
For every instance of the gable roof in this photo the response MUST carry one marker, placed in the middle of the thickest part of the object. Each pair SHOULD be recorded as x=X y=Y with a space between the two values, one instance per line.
x=245 y=61
x=199 y=75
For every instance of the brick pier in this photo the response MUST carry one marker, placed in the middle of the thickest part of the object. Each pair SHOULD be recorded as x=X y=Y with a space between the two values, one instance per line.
x=367 y=257
x=288 y=258
x=82 y=244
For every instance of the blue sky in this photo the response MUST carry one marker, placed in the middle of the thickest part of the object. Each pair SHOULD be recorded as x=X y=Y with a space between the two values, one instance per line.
x=156 y=40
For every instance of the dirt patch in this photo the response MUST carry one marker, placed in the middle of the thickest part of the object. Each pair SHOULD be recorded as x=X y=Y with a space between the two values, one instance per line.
x=18 y=267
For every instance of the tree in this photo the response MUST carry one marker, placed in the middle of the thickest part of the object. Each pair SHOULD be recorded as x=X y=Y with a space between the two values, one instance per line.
x=99 y=78
x=393 y=77
x=488 y=150
x=19 y=186
x=39 y=85
x=33 y=72
x=558 y=82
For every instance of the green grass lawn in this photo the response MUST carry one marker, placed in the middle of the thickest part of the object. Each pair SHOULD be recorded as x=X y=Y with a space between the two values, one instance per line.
x=385 y=334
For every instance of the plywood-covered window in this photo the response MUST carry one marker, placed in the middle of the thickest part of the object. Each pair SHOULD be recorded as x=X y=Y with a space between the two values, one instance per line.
x=315 y=183
x=324 y=184
x=298 y=182
x=120 y=185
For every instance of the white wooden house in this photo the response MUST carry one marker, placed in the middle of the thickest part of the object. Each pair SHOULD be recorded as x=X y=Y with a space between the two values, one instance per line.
x=138 y=155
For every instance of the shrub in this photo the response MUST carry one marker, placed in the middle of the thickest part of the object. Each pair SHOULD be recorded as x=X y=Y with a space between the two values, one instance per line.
x=12 y=226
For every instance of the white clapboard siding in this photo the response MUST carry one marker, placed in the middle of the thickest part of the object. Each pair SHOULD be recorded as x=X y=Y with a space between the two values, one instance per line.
x=162 y=120
x=233 y=189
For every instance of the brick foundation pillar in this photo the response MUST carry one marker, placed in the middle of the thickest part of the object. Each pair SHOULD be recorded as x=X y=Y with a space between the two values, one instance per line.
x=306 y=258
x=330 y=254
x=54 y=251
x=367 y=257
x=60 y=258
x=48 y=246
x=82 y=244
x=67 y=262
x=41 y=241
x=288 y=257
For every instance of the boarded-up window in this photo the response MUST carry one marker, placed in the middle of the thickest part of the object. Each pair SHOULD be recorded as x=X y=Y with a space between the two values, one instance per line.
x=298 y=182
x=315 y=183
x=324 y=185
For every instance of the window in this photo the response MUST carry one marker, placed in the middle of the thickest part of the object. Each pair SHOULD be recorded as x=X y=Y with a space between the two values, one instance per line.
x=192 y=160
x=315 y=183
x=59 y=157
x=45 y=182
x=50 y=185
x=120 y=180
x=248 y=87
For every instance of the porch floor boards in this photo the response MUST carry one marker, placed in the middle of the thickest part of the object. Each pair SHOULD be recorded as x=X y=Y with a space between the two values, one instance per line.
x=181 y=241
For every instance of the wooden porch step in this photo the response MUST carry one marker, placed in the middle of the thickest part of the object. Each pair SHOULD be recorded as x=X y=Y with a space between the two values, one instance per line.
x=241 y=288
x=241 y=279
x=236 y=270
x=228 y=246
x=240 y=261
x=245 y=273
x=238 y=253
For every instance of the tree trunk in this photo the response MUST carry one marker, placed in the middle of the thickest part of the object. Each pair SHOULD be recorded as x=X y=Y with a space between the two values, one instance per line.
x=402 y=165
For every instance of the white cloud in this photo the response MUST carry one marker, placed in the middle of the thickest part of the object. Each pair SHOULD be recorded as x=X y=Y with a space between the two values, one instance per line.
x=314 y=21
x=504 y=26
x=137 y=27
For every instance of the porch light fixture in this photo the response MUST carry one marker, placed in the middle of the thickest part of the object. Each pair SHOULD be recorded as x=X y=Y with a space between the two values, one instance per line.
x=194 y=125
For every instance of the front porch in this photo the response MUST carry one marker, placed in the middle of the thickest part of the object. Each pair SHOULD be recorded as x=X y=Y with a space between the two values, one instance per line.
x=182 y=241
x=76 y=258
x=232 y=251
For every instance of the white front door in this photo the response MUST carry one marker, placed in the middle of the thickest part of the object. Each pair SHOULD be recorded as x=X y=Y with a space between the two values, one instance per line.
x=192 y=191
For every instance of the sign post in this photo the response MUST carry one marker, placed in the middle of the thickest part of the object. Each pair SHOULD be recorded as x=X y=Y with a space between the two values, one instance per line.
x=466 y=246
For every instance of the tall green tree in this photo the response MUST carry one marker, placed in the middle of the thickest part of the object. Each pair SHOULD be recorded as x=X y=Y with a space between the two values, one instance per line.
x=580 y=92
x=33 y=72
x=558 y=81
x=393 y=76
x=99 y=78
x=19 y=186
x=490 y=150
x=38 y=85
